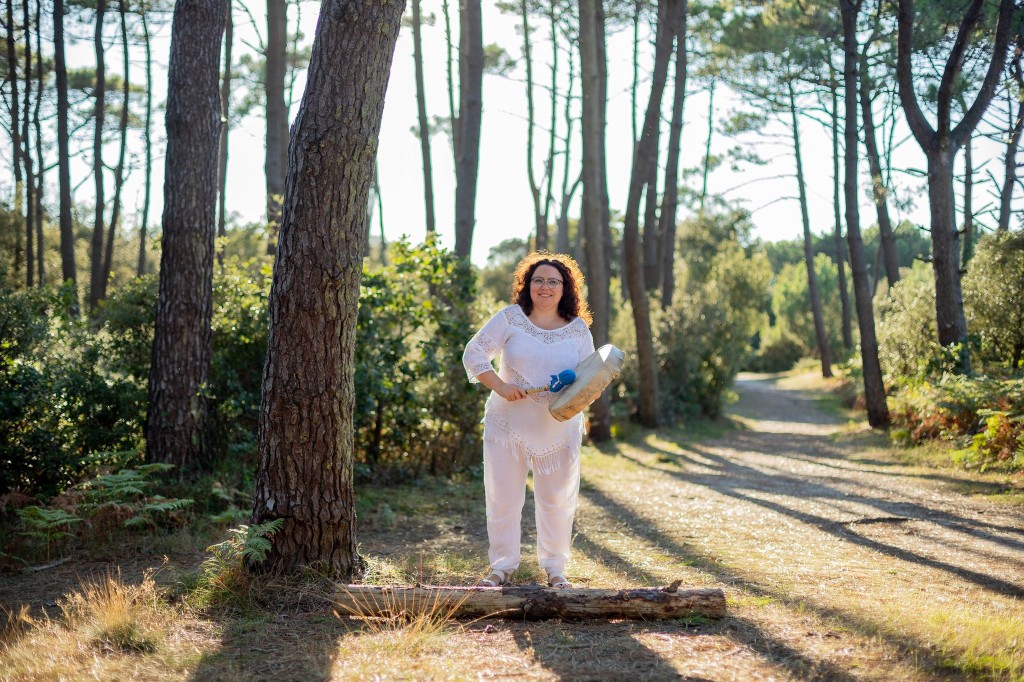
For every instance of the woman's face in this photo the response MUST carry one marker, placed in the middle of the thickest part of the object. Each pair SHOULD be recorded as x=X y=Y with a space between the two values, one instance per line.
x=546 y=287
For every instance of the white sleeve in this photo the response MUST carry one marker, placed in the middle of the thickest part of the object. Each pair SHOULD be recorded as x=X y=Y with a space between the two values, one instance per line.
x=485 y=345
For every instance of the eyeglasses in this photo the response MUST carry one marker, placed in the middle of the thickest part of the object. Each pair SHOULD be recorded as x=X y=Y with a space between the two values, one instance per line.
x=549 y=283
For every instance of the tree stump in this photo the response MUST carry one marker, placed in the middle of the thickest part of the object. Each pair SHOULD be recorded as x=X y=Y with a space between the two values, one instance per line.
x=530 y=602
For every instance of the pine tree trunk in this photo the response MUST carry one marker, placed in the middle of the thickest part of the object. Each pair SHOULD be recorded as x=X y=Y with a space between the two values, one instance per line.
x=276 y=158
x=820 y=335
x=707 y=146
x=41 y=267
x=467 y=148
x=643 y=153
x=68 y=268
x=940 y=146
x=96 y=254
x=567 y=191
x=421 y=112
x=148 y=143
x=225 y=115
x=1015 y=129
x=968 y=231
x=595 y=191
x=549 y=163
x=540 y=224
x=115 y=217
x=453 y=122
x=12 y=82
x=306 y=437
x=176 y=425
x=670 y=198
x=844 y=296
x=879 y=191
x=651 y=238
x=874 y=389
x=30 y=178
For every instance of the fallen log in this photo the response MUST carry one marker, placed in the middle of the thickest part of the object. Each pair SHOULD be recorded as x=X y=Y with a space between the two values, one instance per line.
x=530 y=602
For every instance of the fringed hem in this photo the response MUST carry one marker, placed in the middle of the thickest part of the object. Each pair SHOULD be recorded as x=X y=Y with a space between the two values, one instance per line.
x=546 y=462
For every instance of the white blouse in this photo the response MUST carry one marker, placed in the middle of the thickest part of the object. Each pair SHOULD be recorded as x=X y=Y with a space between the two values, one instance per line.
x=529 y=356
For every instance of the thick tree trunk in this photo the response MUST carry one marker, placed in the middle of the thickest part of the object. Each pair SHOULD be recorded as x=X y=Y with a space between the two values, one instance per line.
x=595 y=192
x=644 y=150
x=467 y=147
x=30 y=178
x=531 y=603
x=12 y=82
x=96 y=255
x=421 y=112
x=879 y=191
x=176 y=425
x=67 y=234
x=225 y=117
x=276 y=160
x=122 y=131
x=148 y=143
x=305 y=435
x=820 y=335
x=940 y=145
x=874 y=389
x=670 y=198
x=1015 y=129
x=540 y=223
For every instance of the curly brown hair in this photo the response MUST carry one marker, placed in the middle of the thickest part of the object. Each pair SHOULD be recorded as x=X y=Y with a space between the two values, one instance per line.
x=572 y=304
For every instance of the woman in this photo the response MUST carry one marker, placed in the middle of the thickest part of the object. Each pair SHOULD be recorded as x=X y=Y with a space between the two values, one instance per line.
x=544 y=331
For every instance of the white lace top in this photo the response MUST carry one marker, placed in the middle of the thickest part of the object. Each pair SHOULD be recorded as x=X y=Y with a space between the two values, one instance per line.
x=529 y=356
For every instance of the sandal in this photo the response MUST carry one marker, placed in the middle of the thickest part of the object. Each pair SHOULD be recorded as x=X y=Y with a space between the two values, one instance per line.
x=495 y=578
x=559 y=582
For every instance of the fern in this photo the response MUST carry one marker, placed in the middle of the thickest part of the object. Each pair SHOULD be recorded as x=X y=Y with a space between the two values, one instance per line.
x=47 y=524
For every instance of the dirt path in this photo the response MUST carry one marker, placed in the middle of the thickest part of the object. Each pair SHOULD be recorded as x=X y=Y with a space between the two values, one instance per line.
x=839 y=563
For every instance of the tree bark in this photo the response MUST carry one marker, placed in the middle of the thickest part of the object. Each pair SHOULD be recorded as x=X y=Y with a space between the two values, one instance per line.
x=115 y=216
x=643 y=151
x=421 y=111
x=874 y=389
x=968 y=230
x=276 y=160
x=820 y=335
x=531 y=603
x=595 y=192
x=305 y=435
x=148 y=143
x=940 y=145
x=96 y=255
x=176 y=424
x=467 y=140
x=40 y=268
x=30 y=178
x=670 y=198
x=67 y=234
x=1016 y=127
x=16 y=157
x=844 y=297
x=225 y=117
x=540 y=223
x=879 y=191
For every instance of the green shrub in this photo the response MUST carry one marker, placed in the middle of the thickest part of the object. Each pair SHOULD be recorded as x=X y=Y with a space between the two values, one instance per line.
x=993 y=290
x=778 y=352
x=908 y=347
x=791 y=305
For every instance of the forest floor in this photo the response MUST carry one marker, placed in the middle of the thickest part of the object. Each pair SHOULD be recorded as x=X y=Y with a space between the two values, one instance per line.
x=841 y=559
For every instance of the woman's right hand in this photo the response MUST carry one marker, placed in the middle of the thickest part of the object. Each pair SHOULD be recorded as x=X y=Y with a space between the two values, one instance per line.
x=510 y=392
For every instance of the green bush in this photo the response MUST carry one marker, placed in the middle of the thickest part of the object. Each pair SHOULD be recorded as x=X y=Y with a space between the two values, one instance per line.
x=791 y=305
x=908 y=347
x=415 y=411
x=778 y=352
x=993 y=290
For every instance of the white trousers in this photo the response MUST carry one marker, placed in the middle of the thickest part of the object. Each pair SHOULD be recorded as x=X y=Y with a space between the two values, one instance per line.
x=555 y=497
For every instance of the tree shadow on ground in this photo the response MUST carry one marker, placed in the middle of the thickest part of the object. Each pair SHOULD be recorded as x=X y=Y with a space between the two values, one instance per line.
x=752 y=635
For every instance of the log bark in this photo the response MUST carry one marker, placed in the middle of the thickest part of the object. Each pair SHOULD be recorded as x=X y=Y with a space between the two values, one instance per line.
x=531 y=602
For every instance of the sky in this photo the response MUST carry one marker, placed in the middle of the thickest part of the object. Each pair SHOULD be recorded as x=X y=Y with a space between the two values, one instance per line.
x=504 y=207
